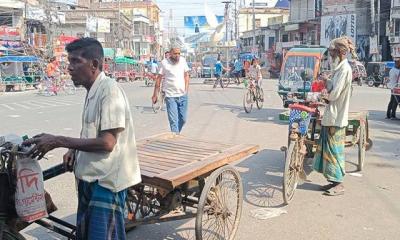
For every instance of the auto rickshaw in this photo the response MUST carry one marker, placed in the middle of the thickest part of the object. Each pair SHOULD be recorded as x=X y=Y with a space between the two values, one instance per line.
x=18 y=72
x=124 y=69
x=301 y=67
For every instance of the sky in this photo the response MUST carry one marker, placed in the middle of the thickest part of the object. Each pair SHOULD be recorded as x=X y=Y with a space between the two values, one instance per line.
x=181 y=8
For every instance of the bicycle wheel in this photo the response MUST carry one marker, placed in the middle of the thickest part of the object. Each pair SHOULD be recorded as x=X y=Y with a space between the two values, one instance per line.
x=362 y=144
x=220 y=205
x=260 y=97
x=226 y=81
x=290 y=174
x=248 y=100
x=69 y=88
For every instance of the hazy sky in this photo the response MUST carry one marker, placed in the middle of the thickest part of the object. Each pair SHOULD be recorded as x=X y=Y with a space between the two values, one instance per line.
x=183 y=8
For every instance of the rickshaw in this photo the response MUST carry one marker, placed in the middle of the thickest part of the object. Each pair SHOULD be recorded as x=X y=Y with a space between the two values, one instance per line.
x=302 y=67
x=359 y=72
x=378 y=73
x=301 y=63
x=18 y=72
x=124 y=69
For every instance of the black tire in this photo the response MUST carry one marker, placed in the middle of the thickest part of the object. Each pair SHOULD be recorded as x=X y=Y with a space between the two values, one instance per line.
x=370 y=81
x=260 y=97
x=290 y=174
x=248 y=101
x=215 y=208
x=362 y=144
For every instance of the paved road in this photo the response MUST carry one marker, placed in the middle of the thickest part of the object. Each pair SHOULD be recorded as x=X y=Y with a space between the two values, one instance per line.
x=368 y=210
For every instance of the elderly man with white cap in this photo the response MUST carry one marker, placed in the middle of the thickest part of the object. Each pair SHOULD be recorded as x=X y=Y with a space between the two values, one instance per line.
x=329 y=158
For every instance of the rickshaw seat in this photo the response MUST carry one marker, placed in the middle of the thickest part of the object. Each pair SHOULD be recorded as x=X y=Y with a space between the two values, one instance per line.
x=302 y=108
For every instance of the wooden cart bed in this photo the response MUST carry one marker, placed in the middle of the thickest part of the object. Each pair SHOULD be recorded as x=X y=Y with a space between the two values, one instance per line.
x=167 y=160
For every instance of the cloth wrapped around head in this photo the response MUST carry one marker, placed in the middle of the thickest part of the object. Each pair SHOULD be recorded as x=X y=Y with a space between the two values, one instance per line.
x=344 y=45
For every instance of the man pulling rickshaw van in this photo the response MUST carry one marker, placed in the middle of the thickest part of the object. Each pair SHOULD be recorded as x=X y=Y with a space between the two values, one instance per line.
x=329 y=158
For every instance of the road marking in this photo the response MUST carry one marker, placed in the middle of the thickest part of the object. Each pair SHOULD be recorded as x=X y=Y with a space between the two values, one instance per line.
x=22 y=106
x=9 y=107
x=34 y=104
x=58 y=103
x=14 y=116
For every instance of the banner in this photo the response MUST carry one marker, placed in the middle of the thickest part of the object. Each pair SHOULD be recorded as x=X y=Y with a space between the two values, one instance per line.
x=373 y=45
x=91 y=24
x=336 y=26
x=67 y=2
x=10 y=33
x=199 y=24
x=103 y=25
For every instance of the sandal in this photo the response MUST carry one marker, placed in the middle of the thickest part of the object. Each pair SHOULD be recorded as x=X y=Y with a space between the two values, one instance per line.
x=335 y=191
x=326 y=187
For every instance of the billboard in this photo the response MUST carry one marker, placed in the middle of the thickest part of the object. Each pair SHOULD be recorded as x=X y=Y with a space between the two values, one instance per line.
x=67 y=2
x=336 y=26
x=199 y=24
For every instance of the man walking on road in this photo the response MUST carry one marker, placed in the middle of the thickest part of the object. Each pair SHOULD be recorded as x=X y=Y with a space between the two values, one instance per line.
x=104 y=157
x=329 y=157
x=394 y=81
x=174 y=72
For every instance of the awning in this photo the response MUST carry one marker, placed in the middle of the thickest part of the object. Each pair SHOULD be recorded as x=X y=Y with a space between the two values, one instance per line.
x=19 y=59
x=12 y=4
x=125 y=60
x=108 y=52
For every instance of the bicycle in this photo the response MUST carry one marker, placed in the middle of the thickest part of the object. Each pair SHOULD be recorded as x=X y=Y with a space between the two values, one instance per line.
x=49 y=87
x=300 y=118
x=254 y=93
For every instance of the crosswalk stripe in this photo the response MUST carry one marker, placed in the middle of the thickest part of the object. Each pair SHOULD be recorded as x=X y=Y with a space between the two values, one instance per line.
x=7 y=106
x=34 y=104
x=60 y=103
x=21 y=105
x=47 y=104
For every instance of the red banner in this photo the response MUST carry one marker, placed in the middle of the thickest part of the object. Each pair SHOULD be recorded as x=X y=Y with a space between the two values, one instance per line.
x=10 y=33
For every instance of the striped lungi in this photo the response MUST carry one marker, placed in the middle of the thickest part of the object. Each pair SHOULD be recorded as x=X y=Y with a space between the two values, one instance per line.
x=100 y=213
x=329 y=157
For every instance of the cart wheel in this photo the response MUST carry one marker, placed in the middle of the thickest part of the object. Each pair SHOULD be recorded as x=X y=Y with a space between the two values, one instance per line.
x=248 y=100
x=260 y=97
x=291 y=174
x=220 y=205
x=369 y=144
x=362 y=143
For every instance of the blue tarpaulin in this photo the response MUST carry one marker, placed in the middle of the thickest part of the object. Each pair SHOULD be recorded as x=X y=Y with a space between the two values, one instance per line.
x=19 y=59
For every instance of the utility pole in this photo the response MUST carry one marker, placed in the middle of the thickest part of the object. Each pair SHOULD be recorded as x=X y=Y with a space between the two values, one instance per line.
x=226 y=16
x=254 y=27
x=236 y=21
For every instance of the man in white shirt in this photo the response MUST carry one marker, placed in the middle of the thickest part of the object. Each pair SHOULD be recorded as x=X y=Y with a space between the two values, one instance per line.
x=105 y=157
x=329 y=158
x=174 y=74
x=394 y=81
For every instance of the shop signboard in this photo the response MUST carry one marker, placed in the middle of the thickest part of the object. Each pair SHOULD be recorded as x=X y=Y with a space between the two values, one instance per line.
x=336 y=26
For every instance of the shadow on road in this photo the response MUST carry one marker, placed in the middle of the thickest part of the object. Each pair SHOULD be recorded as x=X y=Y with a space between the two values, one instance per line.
x=262 y=182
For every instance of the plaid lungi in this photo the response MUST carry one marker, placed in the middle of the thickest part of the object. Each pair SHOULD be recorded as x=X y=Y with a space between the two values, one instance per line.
x=100 y=213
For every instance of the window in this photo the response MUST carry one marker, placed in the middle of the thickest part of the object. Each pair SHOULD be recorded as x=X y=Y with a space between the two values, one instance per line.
x=397 y=27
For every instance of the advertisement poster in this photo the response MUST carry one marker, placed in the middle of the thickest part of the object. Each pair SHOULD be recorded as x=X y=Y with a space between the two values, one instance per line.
x=199 y=24
x=336 y=26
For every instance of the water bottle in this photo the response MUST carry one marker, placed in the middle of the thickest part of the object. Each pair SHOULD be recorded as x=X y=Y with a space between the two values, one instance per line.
x=245 y=82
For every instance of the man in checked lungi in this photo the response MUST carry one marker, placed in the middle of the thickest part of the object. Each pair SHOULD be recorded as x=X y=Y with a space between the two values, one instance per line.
x=329 y=158
x=104 y=158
